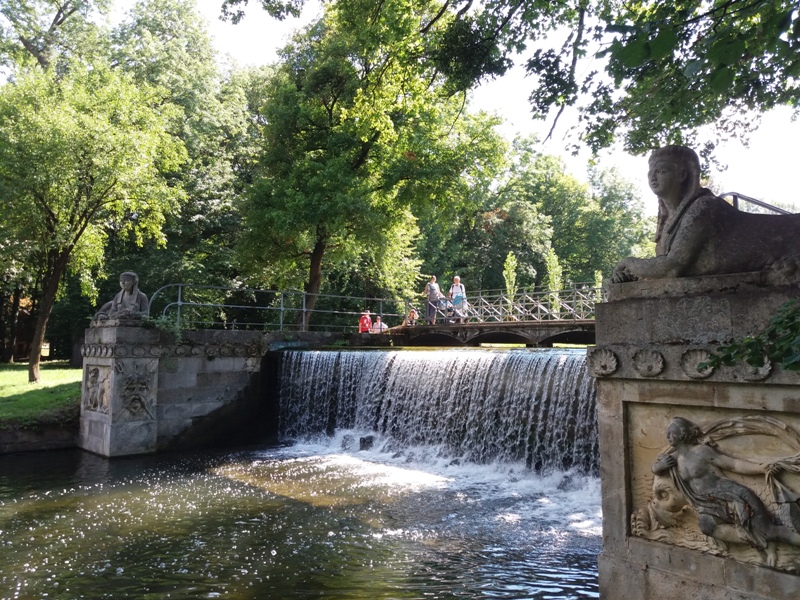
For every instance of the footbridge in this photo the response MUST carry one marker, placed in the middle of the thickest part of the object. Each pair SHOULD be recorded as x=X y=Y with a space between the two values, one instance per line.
x=529 y=333
x=485 y=317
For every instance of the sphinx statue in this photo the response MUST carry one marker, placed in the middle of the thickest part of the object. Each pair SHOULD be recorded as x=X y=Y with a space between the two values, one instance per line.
x=701 y=234
x=129 y=303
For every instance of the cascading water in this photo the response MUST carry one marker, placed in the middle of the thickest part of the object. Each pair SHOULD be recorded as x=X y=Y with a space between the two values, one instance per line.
x=312 y=520
x=536 y=406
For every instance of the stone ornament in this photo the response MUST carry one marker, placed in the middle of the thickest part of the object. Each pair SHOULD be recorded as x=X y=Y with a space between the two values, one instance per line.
x=137 y=391
x=691 y=361
x=750 y=373
x=687 y=212
x=711 y=493
x=648 y=362
x=184 y=350
x=95 y=393
x=129 y=303
x=602 y=362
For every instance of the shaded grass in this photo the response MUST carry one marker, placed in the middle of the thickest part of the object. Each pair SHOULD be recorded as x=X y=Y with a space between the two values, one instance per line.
x=54 y=400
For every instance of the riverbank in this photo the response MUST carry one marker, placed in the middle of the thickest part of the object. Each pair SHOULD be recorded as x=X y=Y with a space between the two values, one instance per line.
x=42 y=416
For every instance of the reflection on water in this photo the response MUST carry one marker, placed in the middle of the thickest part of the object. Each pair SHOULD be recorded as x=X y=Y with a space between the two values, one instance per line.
x=299 y=522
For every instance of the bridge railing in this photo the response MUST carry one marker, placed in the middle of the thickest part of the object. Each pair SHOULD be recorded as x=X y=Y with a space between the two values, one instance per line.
x=190 y=306
x=215 y=307
x=737 y=198
x=569 y=304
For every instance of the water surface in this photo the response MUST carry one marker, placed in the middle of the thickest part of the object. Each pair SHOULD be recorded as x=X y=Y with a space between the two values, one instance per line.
x=308 y=521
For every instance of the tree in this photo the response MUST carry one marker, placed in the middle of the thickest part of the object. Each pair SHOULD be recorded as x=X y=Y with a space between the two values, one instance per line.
x=594 y=226
x=555 y=280
x=49 y=33
x=79 y=153
x=165 y=43
x=15 y=277
x=656 y=71
x=357 y=139
x=669 y=68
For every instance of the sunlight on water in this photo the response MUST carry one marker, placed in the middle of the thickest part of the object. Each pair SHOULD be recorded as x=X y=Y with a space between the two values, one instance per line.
x=301 y=522
x=478 y=484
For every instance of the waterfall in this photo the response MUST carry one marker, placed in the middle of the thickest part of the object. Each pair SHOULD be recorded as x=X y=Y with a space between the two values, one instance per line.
x=536 y=406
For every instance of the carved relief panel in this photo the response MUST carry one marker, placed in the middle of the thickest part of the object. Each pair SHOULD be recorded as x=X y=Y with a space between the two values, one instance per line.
x=135 y=384
x=96 y=393
x=720 y=482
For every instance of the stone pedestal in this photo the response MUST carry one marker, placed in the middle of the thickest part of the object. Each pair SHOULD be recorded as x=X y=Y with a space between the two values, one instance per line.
x=120 y=382
x=146 y=391
x=652 y=338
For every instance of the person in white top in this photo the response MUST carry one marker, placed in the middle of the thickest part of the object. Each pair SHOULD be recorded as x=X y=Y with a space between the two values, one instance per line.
x=378 y=326
x=458 y=296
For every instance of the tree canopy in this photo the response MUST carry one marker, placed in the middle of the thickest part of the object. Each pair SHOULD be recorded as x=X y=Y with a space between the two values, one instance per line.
x=353 y=165
x=645 y=71
x=78 y=153
x=357 y=138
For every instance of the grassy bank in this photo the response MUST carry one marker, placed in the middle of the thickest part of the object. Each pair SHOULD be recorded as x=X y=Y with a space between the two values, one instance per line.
x=56 y=399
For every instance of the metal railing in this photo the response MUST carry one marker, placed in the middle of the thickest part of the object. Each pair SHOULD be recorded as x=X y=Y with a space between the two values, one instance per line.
x=736 y=197
x=190 y=306
x=495 y=306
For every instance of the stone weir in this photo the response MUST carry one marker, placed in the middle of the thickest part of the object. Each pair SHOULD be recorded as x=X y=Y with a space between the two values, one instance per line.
x=699 y=465
x=144 y=391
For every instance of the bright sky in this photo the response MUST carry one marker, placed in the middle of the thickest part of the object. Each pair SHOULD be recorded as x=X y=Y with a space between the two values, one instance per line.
x=765 y=170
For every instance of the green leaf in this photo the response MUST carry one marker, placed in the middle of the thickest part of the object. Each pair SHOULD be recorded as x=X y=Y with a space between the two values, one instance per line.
x=721 y=79
x=634 y=54
x=726 y=51
x=692 y=68
x=664 y=43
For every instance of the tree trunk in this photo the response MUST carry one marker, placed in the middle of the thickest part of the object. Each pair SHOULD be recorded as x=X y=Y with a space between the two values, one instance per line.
x=58 y=264
x=314 y=282
x=8 y=351
x=3 y=328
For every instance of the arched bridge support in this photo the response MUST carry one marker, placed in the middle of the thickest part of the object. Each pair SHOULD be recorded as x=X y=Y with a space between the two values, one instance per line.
x=534 y=334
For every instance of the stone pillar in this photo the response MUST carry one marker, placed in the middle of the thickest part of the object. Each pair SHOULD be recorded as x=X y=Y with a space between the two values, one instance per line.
x=659 y=541
x=119 y=392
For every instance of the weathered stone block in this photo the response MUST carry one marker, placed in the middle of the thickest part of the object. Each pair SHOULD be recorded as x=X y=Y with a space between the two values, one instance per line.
x=647 y=361
x=235 y=378
x=180 y=379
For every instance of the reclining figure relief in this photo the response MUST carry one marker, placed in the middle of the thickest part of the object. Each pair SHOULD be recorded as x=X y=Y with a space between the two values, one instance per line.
x=701 y=234
x=727 y=501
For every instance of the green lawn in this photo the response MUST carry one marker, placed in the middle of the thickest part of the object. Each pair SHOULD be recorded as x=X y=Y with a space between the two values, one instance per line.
x=55 y=399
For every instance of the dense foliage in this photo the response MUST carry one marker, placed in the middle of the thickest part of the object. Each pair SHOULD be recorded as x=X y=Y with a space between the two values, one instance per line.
x=352 y=166
x=704 y=62
x=78 y=153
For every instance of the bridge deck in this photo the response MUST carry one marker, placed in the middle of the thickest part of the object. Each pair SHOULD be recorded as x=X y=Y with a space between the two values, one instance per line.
x=530 y=333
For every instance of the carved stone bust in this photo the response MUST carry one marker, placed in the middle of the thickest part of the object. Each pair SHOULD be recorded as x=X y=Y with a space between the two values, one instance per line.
x=129 y=303
x=701 y=234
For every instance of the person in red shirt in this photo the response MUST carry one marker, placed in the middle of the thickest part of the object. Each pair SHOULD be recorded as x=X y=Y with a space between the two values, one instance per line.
x=364 y=323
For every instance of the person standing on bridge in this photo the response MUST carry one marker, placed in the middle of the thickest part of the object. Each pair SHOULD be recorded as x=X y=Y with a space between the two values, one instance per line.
x=364 y=323
x=378 y=326
x=458 y=296
x=433 y=293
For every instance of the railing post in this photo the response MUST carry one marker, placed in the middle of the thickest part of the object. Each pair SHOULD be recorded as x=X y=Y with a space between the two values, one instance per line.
x=303 y=328
x=180 y=302
x=280 y=325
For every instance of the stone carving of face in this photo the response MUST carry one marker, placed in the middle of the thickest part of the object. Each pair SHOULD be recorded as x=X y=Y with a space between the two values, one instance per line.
x=666 y=178
x=126 y=282
x=674 y=433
